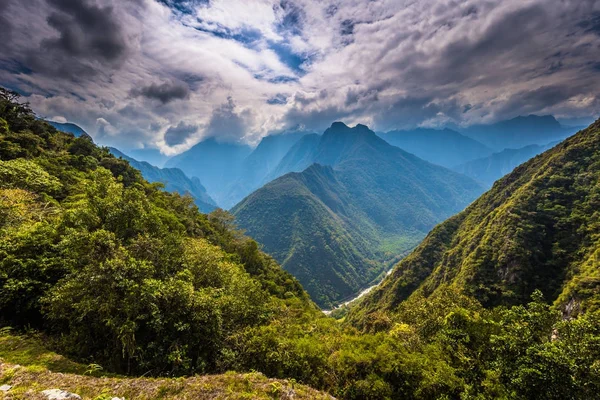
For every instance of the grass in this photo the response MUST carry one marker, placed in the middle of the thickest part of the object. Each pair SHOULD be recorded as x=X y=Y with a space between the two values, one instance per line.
x=29 y=368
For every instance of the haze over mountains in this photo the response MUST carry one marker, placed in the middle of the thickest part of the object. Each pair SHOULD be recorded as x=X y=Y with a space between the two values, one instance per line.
x=353 y=203
x=445 y=147
x=174 y=180
x=231 y=171
x=488 y=170
x=360 y=204
x=519 y=132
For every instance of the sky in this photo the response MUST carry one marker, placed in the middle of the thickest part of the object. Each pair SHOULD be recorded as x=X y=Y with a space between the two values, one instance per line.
x=165 y=74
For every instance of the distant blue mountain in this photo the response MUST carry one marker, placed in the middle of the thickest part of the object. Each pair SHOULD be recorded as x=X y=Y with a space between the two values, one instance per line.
x=299 y=157
x=69 y=128
x=258 y=166
x=152 y=156
x=443 y=147
x=174 y=180
x=360 y=203
x=519 y=132
x=216 y=164
x=488 y=170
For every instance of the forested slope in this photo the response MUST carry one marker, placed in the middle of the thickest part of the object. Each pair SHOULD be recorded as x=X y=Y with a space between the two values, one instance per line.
x=121 y=271
x=537 y=228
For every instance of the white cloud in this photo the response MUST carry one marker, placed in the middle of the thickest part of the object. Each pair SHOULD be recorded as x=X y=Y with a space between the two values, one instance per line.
x=387 y=63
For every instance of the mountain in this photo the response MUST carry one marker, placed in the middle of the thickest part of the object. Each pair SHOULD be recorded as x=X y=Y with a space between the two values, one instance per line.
x=519 y=132
x=150 y=155
x=488 y=170
x=443 y=147
x=537 y=228
x=259 y=164
x=298 y=157
x=216 y=164
x=69 y=128
x=360 y=204
x=174 y=180
x=120 y=272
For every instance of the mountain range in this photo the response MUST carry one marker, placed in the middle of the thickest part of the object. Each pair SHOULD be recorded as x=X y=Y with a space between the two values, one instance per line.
x=488 y=170
x=361 y=203
x=519 y=132
x=69 y=128
x=174 y=180
x=216 y=164
x=537 y=228
x=445 y=147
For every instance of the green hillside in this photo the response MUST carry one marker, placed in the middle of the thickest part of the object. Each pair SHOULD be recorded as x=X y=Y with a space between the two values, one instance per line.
x=537 y=228
x=114 y=287
x=337 y=225
x=116 y=269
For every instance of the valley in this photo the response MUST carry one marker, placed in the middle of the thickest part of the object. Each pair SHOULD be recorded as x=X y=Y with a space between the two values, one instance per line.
x=299 y=199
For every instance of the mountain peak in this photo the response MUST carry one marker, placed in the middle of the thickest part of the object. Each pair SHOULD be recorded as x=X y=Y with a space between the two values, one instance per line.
x=338 y=125
x=340 y=128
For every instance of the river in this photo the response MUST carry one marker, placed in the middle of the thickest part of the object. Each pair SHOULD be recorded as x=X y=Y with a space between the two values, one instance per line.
x=361 y=294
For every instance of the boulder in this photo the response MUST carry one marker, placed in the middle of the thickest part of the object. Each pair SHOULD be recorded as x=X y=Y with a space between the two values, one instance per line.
x=57 y=394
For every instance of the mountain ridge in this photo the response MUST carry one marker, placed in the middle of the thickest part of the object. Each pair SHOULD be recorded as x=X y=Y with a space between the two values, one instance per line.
x=360 y=195
x=174 y=180
x=537 y=228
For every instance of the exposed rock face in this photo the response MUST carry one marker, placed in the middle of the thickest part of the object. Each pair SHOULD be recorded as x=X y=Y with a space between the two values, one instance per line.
x=57 y=394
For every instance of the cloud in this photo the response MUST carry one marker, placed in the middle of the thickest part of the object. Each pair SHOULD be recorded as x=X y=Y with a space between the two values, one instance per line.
x=163 y=92
x=179 y=134
x=80 y=39
x=132 y=72
x=59 y=118
x=85 y=30
x=226 y=124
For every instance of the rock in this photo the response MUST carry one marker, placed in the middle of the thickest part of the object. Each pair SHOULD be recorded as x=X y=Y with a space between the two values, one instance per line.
x=57 y=394
x=5 y=388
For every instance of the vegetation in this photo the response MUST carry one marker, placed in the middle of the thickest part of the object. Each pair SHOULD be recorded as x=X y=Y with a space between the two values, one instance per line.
x=174 y=180
x=337 y=225
x=537 y=228
x=140 y=289
x=120 y=271
x=29 y=367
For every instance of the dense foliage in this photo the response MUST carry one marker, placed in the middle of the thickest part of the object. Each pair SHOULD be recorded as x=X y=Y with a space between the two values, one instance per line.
x=123 y=272
x=337 y=225
x=117 y=272
x=537 y=228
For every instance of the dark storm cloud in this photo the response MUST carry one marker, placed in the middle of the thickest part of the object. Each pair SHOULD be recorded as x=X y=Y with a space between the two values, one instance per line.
x=85 y=30
x=164 y=92
x=412 y=110
x=592 y=24
x=178 y=134
x=5 y=26
x=89 y=40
